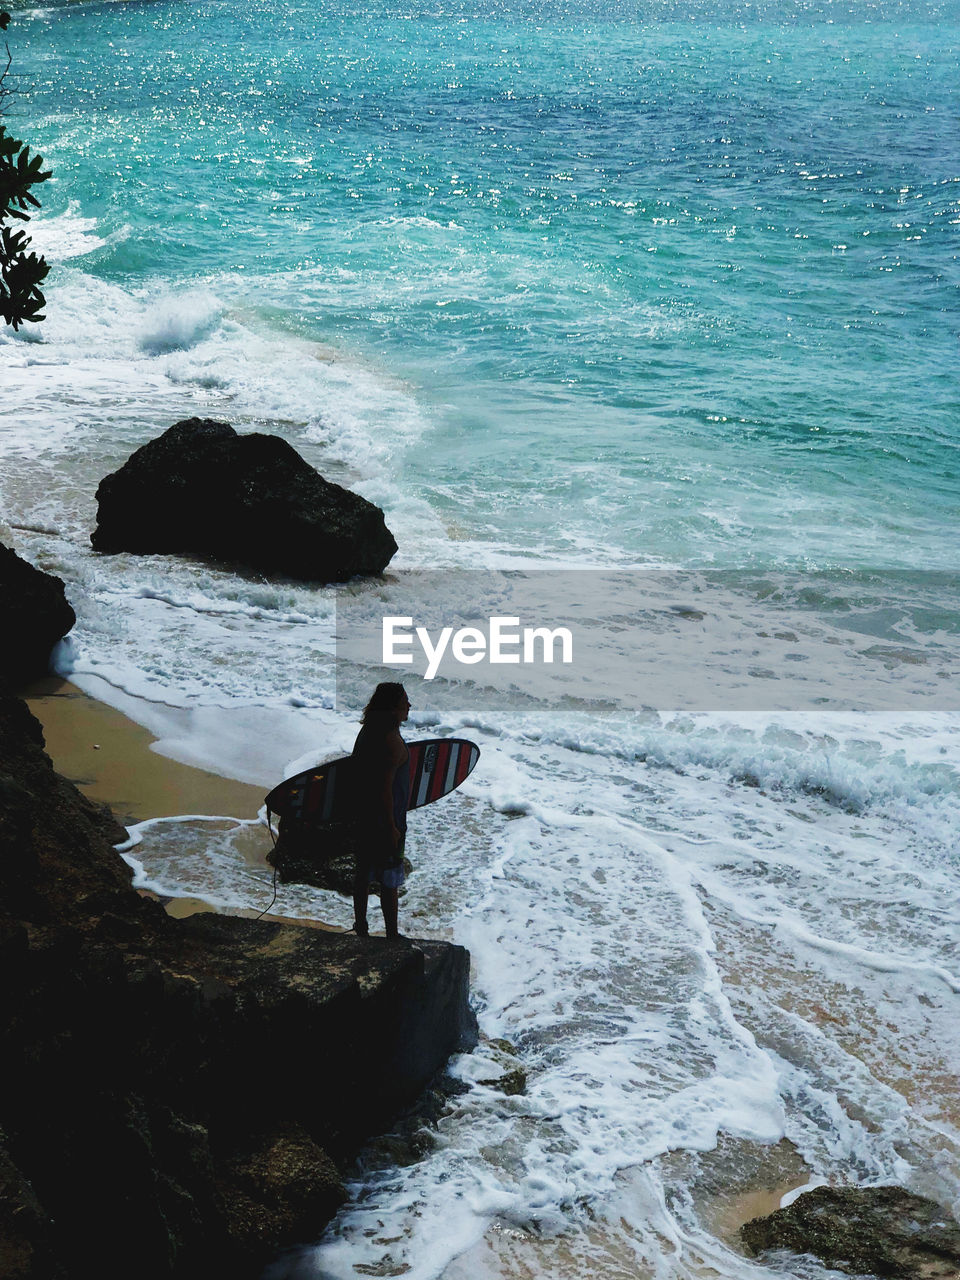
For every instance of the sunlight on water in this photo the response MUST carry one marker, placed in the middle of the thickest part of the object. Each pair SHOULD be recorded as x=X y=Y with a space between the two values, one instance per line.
x=562 y=287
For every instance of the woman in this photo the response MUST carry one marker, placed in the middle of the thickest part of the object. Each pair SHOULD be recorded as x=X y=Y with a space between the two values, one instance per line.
x=382 y=779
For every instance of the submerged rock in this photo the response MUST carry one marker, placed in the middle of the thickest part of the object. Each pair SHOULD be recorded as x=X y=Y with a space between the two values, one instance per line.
x=202 y=489
x=324 y=856
x=36 y=615
x=513 y=1075
x=883 y=1231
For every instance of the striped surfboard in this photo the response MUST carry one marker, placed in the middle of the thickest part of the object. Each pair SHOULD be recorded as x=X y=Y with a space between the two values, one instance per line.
x=322 y=794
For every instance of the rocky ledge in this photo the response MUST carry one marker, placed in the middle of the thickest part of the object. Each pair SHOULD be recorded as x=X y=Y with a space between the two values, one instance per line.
x=866 y=1231
x=36 y=615
x=202 y=489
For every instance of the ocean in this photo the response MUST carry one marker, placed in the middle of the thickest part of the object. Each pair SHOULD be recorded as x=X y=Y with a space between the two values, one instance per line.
x=636 y=318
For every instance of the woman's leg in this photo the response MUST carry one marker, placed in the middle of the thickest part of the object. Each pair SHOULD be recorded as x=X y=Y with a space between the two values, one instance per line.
x=389 y=905
x=361 y=891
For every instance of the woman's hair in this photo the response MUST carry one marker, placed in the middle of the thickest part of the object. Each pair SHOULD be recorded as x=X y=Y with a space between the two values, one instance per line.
x=384 y=701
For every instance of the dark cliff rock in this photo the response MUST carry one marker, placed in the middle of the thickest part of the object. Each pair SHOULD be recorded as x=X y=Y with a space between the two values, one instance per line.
x=35 y=616
x=202 y=489
x=57 y=863
x=882 y=1231
x=179 y=1092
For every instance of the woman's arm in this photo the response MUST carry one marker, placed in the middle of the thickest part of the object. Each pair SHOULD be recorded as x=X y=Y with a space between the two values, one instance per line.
x=393 y=759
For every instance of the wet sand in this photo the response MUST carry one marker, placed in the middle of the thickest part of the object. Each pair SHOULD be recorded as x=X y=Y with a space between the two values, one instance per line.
x=109 y=758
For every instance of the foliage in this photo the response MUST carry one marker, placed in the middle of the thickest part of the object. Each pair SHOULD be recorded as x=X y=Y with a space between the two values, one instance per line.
x=20 y=272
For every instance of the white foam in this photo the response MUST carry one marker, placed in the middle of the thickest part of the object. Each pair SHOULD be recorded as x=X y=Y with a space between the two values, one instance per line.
x=179 y=322
x=134 y=362
x=797 y=1192
x=208 y=858
x=59 y=237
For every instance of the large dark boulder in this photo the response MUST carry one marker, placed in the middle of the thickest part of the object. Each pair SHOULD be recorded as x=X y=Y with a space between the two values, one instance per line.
x=202 y=489
x=35 y=616
x=882 y=1231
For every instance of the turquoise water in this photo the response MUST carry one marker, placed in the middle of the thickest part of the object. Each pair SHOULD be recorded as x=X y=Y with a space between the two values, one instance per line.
x=671 y=284
x=557 y=287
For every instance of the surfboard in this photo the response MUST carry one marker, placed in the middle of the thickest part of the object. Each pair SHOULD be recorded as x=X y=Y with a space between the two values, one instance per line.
x=325 y=794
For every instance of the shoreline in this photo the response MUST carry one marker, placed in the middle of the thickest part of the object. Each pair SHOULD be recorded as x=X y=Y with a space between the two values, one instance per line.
x=111 y=760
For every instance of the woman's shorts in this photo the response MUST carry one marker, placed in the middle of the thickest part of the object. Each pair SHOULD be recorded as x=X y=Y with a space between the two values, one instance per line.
x=388 y=871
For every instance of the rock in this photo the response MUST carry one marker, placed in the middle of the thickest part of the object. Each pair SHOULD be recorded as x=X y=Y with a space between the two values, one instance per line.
x=202 y=489
x=56 y=855
x=390 y=1012
x=505 y=1046
x=883 y=1231
x=181 y=1091
x=277 y=1186
x=324 y=857
x=25 y=1230
x=513 y=1078
x=510 y=1083
x=414 y=1135
x=35 y=616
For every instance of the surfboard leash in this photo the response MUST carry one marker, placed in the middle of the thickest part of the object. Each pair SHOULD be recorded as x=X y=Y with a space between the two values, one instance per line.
x=275 y=869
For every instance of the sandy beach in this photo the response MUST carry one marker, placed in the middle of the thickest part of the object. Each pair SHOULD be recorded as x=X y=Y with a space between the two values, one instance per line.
x=111 y=759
